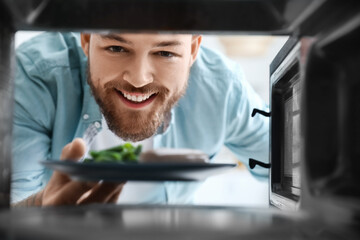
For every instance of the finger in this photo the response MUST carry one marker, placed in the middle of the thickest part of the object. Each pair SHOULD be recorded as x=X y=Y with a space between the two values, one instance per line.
x=101 y=193
x=68 y=194
x=114 y=198
x=72 y=151
x=115 y=194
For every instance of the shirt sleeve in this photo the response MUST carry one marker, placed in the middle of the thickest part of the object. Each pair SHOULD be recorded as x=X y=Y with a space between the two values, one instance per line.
x=33 y=113
x=246 y=136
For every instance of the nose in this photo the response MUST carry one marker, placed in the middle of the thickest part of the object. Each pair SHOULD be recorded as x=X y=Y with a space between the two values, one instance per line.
x=139 y=72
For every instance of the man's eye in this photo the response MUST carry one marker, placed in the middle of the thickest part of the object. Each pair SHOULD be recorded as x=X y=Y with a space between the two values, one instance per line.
x=166 y=54
x=116 y=49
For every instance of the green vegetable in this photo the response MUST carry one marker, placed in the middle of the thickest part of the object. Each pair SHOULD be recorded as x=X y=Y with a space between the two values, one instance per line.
x=119 y=154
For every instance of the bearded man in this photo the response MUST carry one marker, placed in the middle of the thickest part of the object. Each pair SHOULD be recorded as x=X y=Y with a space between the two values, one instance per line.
x=75 y=92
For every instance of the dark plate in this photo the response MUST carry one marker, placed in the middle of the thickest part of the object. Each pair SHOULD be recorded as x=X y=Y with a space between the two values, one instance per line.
x=116 y=172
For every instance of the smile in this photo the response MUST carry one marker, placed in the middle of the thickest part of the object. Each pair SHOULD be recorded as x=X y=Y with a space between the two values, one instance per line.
x=137 y=97
x=136 y=100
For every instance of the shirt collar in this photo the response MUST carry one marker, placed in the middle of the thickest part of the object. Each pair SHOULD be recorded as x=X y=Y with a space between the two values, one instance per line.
x=90 y=107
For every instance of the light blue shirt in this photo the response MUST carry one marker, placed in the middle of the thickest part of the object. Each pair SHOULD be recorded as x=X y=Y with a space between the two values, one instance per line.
x=53 y=105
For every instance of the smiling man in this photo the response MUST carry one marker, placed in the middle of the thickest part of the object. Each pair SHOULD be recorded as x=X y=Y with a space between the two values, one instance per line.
x=153 y=72
x=74 y=91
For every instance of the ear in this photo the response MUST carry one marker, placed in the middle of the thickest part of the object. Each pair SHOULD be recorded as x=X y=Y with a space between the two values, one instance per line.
x=85 y=43
x=195 y=45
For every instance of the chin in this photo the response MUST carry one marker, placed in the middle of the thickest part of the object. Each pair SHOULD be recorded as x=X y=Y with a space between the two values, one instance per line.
x=134 y=126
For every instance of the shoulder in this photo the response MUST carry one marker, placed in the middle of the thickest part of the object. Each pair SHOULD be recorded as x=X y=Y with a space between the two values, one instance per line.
x=49 y=50
x=214 y=70
x=210 y=62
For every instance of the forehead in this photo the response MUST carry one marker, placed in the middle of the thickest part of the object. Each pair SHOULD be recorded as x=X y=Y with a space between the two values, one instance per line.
x=143 y=38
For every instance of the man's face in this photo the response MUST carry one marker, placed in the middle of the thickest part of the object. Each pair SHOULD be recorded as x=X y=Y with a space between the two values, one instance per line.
x=137 y=78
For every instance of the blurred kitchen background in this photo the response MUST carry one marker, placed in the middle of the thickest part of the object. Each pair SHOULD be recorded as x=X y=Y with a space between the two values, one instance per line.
x=254 y=54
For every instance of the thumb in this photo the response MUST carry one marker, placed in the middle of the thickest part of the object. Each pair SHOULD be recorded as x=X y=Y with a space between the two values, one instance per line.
x=74 y=150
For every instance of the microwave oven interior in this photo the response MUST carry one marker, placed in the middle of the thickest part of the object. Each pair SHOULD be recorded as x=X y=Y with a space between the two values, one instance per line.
x=314 y=171
x=331 y=120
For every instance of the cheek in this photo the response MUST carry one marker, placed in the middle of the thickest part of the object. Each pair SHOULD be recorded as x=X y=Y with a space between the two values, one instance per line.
x=103 y=69
x=173 y=76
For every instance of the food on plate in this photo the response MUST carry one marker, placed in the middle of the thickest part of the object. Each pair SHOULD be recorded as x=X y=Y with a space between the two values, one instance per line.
x=125 y=153
x=170 y=155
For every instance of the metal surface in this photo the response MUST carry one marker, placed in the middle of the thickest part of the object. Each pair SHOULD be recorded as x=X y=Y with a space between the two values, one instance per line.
x=329 y=15
x=163 y=222
x=254 y=16
x=6 y=103
x=330 y=211
x=332 y=124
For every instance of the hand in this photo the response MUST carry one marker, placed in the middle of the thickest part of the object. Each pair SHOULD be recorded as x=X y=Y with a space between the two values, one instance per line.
x=61 y=190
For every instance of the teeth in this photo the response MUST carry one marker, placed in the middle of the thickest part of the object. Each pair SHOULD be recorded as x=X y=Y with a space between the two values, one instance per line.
x=137 y=98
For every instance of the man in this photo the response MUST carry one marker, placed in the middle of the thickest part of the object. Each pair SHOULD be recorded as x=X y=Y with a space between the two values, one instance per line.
x=161 y=88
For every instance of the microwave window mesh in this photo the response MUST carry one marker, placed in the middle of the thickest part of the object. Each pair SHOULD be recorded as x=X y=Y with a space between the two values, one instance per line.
x=292 y=151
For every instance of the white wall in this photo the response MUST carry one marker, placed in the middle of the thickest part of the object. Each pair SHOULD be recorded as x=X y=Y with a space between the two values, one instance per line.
x=255 y=61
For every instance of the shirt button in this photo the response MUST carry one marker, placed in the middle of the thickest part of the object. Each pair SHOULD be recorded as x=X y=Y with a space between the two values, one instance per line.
x=97 y=124
x=86 y=116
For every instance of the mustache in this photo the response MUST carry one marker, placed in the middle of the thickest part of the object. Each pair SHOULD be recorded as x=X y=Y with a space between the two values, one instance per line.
x=127 y=87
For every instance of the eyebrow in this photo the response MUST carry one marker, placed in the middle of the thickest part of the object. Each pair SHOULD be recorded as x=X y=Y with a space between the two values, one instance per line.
x=168 y=43
x=123 y=40
x=116 y=38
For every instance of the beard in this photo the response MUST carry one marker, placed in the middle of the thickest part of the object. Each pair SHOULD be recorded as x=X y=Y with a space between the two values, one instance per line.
x=134 y=125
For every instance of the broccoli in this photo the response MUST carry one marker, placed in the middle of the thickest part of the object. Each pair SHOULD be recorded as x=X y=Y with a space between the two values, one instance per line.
x=125 y=153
